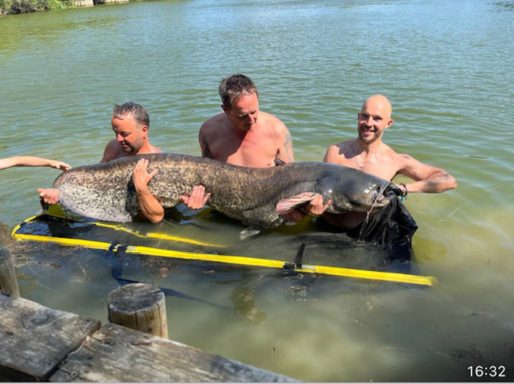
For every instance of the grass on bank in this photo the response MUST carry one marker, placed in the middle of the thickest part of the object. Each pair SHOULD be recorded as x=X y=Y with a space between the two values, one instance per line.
x=13 y=7
x=8 y=7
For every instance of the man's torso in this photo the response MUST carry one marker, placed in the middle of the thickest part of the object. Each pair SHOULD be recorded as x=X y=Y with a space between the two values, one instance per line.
x=256 y=148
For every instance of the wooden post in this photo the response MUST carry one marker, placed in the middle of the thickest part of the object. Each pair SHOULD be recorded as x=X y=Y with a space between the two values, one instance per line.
x=8 y=282
x=139 y=306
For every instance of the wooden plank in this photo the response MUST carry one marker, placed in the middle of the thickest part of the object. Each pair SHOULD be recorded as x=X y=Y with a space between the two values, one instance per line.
x=119 y=354
x=35 y=339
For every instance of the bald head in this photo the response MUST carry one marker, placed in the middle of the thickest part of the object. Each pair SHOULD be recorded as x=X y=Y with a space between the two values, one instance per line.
x=378 y=103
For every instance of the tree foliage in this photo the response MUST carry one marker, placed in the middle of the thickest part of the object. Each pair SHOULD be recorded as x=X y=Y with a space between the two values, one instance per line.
x=24 y=6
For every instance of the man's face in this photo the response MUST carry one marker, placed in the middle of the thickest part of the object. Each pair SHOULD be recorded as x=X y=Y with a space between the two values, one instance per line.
x=244 y=112
x=129 y=134
x=373 y=118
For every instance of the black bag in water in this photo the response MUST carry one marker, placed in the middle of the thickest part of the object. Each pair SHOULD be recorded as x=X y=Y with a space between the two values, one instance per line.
x=392 y=228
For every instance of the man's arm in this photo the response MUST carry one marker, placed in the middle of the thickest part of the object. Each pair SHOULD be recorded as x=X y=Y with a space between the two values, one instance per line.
x=148 y=204
x=427 y=178
x=285 y=149
x=332 y=154
x=204 y=145
x=32 y=161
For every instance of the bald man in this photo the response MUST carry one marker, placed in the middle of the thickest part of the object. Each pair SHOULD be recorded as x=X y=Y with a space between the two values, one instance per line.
x=369 y=154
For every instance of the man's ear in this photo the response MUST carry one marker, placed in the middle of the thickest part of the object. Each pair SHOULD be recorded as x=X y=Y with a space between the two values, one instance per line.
x=389 y=123
x=225 y=108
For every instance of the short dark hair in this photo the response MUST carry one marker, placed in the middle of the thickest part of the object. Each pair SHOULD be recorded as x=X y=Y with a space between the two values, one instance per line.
x=233 y=87
x=139 y=112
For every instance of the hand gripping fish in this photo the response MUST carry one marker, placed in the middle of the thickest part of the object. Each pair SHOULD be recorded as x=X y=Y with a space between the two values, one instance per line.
x=258 y=197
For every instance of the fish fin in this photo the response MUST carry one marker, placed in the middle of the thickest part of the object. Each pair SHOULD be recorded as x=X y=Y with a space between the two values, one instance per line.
x=288 y=204
x=248 y=232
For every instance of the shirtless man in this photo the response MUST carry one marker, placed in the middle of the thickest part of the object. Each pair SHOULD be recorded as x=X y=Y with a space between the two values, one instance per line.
x=369 y=154
x=242 y=134
x=130 y=123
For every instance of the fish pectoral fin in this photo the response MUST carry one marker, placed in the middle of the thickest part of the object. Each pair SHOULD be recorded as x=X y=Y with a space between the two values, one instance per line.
x=248 y=232
x=286 y=205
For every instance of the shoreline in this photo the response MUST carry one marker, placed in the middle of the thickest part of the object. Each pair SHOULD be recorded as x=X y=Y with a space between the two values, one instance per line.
x=10 y=7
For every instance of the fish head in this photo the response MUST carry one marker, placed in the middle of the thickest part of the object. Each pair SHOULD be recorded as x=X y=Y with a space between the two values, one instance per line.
x=356 y=191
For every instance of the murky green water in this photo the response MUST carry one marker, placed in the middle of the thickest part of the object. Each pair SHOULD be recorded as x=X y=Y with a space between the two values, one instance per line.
x=447 y=67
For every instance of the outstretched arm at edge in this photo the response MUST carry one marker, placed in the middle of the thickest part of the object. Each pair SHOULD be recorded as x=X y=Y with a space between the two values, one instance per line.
x=32 y=161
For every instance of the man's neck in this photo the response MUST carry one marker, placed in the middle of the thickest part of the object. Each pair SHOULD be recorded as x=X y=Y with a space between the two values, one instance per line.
x=369 y=148
x=147 y=148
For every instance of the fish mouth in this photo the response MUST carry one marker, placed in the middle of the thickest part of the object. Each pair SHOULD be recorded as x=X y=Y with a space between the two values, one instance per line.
x=382 y=195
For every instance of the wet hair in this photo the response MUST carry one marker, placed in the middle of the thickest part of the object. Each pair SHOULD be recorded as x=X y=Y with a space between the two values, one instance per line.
x=137 y=110
x=233 y=87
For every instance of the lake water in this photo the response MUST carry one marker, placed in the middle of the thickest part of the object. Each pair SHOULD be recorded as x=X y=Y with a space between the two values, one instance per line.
x=447 y=68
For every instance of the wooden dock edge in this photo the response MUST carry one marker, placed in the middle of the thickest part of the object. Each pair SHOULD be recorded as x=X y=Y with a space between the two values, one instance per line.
x=42 y=344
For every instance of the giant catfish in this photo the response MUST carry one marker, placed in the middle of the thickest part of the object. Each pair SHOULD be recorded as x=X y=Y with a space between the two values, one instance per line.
x=257 y=197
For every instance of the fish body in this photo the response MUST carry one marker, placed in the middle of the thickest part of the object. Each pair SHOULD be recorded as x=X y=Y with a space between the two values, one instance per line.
x=255 y=196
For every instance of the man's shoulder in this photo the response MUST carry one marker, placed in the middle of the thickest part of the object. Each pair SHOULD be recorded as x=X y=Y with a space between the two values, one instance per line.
x=112 y=144
x=214 y=120
x=214 y=125
x=273 y=124
x=342 y=147
x=154 y=149
x=112 y=151
x=268 y=117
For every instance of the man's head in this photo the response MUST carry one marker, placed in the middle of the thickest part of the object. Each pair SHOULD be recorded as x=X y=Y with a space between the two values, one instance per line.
x=240 y=101
x=130 y=123
x=374 y=118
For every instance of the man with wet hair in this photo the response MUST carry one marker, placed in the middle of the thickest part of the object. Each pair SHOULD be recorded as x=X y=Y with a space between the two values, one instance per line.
x=130 y=123
x=242 y=134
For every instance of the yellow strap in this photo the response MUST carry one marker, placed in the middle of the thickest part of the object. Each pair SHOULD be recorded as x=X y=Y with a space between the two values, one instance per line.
x=239 y=260
x=156 y=235
x=57 y=211
x=64 y=241
x=270 y=263
x=369 y=275
x=227 y=259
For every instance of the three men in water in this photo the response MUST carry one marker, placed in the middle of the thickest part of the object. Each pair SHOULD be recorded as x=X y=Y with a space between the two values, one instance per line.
x=243 y=135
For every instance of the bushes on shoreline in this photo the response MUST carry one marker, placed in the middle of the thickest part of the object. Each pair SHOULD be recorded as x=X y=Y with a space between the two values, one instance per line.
x=24 y=6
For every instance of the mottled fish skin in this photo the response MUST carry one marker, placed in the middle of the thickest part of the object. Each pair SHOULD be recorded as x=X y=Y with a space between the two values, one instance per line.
x=105 y=191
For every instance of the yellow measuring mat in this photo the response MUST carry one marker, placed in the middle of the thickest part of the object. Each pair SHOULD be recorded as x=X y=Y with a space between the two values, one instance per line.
x=46 y=229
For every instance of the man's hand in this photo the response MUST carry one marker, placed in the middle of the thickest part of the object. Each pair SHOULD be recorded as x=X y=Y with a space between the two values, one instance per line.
x=316 y=206
x=150 y=207
x=294 y=208
x=140 y=175
x=49 y=195
x=60 y=165
x=197 y=198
